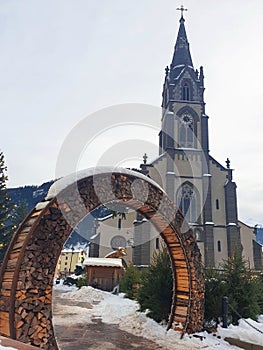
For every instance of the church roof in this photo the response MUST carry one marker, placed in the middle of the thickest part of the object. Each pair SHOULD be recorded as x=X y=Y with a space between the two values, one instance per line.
x=182 y=56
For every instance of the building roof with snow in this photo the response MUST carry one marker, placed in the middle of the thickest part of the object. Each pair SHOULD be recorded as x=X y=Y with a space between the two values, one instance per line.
x=106 y=262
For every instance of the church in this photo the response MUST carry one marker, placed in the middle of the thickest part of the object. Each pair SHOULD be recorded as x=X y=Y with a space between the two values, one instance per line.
x=202 y=187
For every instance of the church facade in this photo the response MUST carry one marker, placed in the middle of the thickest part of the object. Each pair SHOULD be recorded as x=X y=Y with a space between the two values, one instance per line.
x=203 y=188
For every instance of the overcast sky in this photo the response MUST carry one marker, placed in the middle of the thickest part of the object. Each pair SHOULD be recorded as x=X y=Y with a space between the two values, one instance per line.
x=63 y=60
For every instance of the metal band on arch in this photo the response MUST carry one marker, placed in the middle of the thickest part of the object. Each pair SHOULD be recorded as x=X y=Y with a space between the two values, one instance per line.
x=26 y=275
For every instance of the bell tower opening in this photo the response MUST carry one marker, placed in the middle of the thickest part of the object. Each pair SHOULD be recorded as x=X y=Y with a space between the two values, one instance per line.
x=186 y=92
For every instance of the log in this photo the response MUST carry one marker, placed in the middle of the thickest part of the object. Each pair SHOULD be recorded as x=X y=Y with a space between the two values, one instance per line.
x=4 y=324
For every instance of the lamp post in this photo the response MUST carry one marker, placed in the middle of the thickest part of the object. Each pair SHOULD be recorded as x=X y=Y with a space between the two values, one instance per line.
x=72 y=250
x=224 y=309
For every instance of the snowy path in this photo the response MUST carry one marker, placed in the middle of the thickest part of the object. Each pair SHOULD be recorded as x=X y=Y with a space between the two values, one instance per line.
x=77 y=328
x=95 y=320
x=92 y=319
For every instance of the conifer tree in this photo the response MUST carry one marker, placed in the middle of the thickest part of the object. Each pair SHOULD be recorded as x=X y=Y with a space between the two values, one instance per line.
x=19 y=213
x=156 y=288
x=6 y=228
x=130 y=282
x=215 y=289
x=242 y=288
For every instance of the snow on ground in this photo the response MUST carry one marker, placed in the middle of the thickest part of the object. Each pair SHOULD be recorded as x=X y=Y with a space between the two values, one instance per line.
x=124 y=312
x=6 y=347
x=244 y=331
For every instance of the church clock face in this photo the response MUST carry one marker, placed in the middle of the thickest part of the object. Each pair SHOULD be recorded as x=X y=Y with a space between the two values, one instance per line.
x=187 y=119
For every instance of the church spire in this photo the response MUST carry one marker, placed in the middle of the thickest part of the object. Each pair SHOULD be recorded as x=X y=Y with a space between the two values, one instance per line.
x=182 y=54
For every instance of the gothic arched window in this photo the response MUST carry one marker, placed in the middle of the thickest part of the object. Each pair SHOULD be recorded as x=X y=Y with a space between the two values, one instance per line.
x=186 y=92
x=186 y=131
x=188 y=202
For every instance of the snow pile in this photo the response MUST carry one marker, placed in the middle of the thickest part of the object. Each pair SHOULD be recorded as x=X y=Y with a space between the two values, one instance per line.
x=244 y=331
x=87 y=294
x=63 y=287
x=124 y=312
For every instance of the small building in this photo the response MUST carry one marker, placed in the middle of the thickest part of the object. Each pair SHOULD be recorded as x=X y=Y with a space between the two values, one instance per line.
x=103 y=273
x=68 y=260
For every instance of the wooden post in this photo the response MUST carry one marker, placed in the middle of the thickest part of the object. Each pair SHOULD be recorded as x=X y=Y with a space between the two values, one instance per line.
x=224 y=311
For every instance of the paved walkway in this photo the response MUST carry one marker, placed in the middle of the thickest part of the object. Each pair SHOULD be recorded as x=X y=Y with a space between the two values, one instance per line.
x=95 y=336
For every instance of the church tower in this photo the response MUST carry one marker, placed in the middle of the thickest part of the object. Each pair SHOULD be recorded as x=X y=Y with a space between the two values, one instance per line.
x=202 y=188
x=183 y=96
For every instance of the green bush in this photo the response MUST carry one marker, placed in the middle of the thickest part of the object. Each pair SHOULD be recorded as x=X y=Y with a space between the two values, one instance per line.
x=130 y=282
x=215 y=289
x=82 y=281
x=260 y=288
x=242 y=287
x=156 y=290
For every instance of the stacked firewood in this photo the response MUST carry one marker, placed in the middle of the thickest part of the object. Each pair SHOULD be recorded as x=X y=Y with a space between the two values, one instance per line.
x=33 y=299
x=26 y=290
x=196 y=318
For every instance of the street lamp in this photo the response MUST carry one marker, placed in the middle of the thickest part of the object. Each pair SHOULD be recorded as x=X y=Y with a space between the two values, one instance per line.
x=72 y=250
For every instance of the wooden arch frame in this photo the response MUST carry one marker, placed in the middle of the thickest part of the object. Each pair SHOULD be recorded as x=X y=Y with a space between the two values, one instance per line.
x=26 y=275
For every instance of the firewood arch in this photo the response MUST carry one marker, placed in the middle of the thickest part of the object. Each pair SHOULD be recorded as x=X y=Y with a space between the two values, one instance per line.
x=26 y=275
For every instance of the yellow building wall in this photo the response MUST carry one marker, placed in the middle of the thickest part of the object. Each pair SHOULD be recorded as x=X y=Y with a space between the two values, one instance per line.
x=68 y=260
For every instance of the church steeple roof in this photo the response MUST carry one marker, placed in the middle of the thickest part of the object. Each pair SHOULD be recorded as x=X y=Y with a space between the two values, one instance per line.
x=182 y=55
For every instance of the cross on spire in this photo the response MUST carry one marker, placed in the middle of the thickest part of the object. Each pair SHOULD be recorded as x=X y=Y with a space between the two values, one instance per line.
x=182 y=9
x=145 y=157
